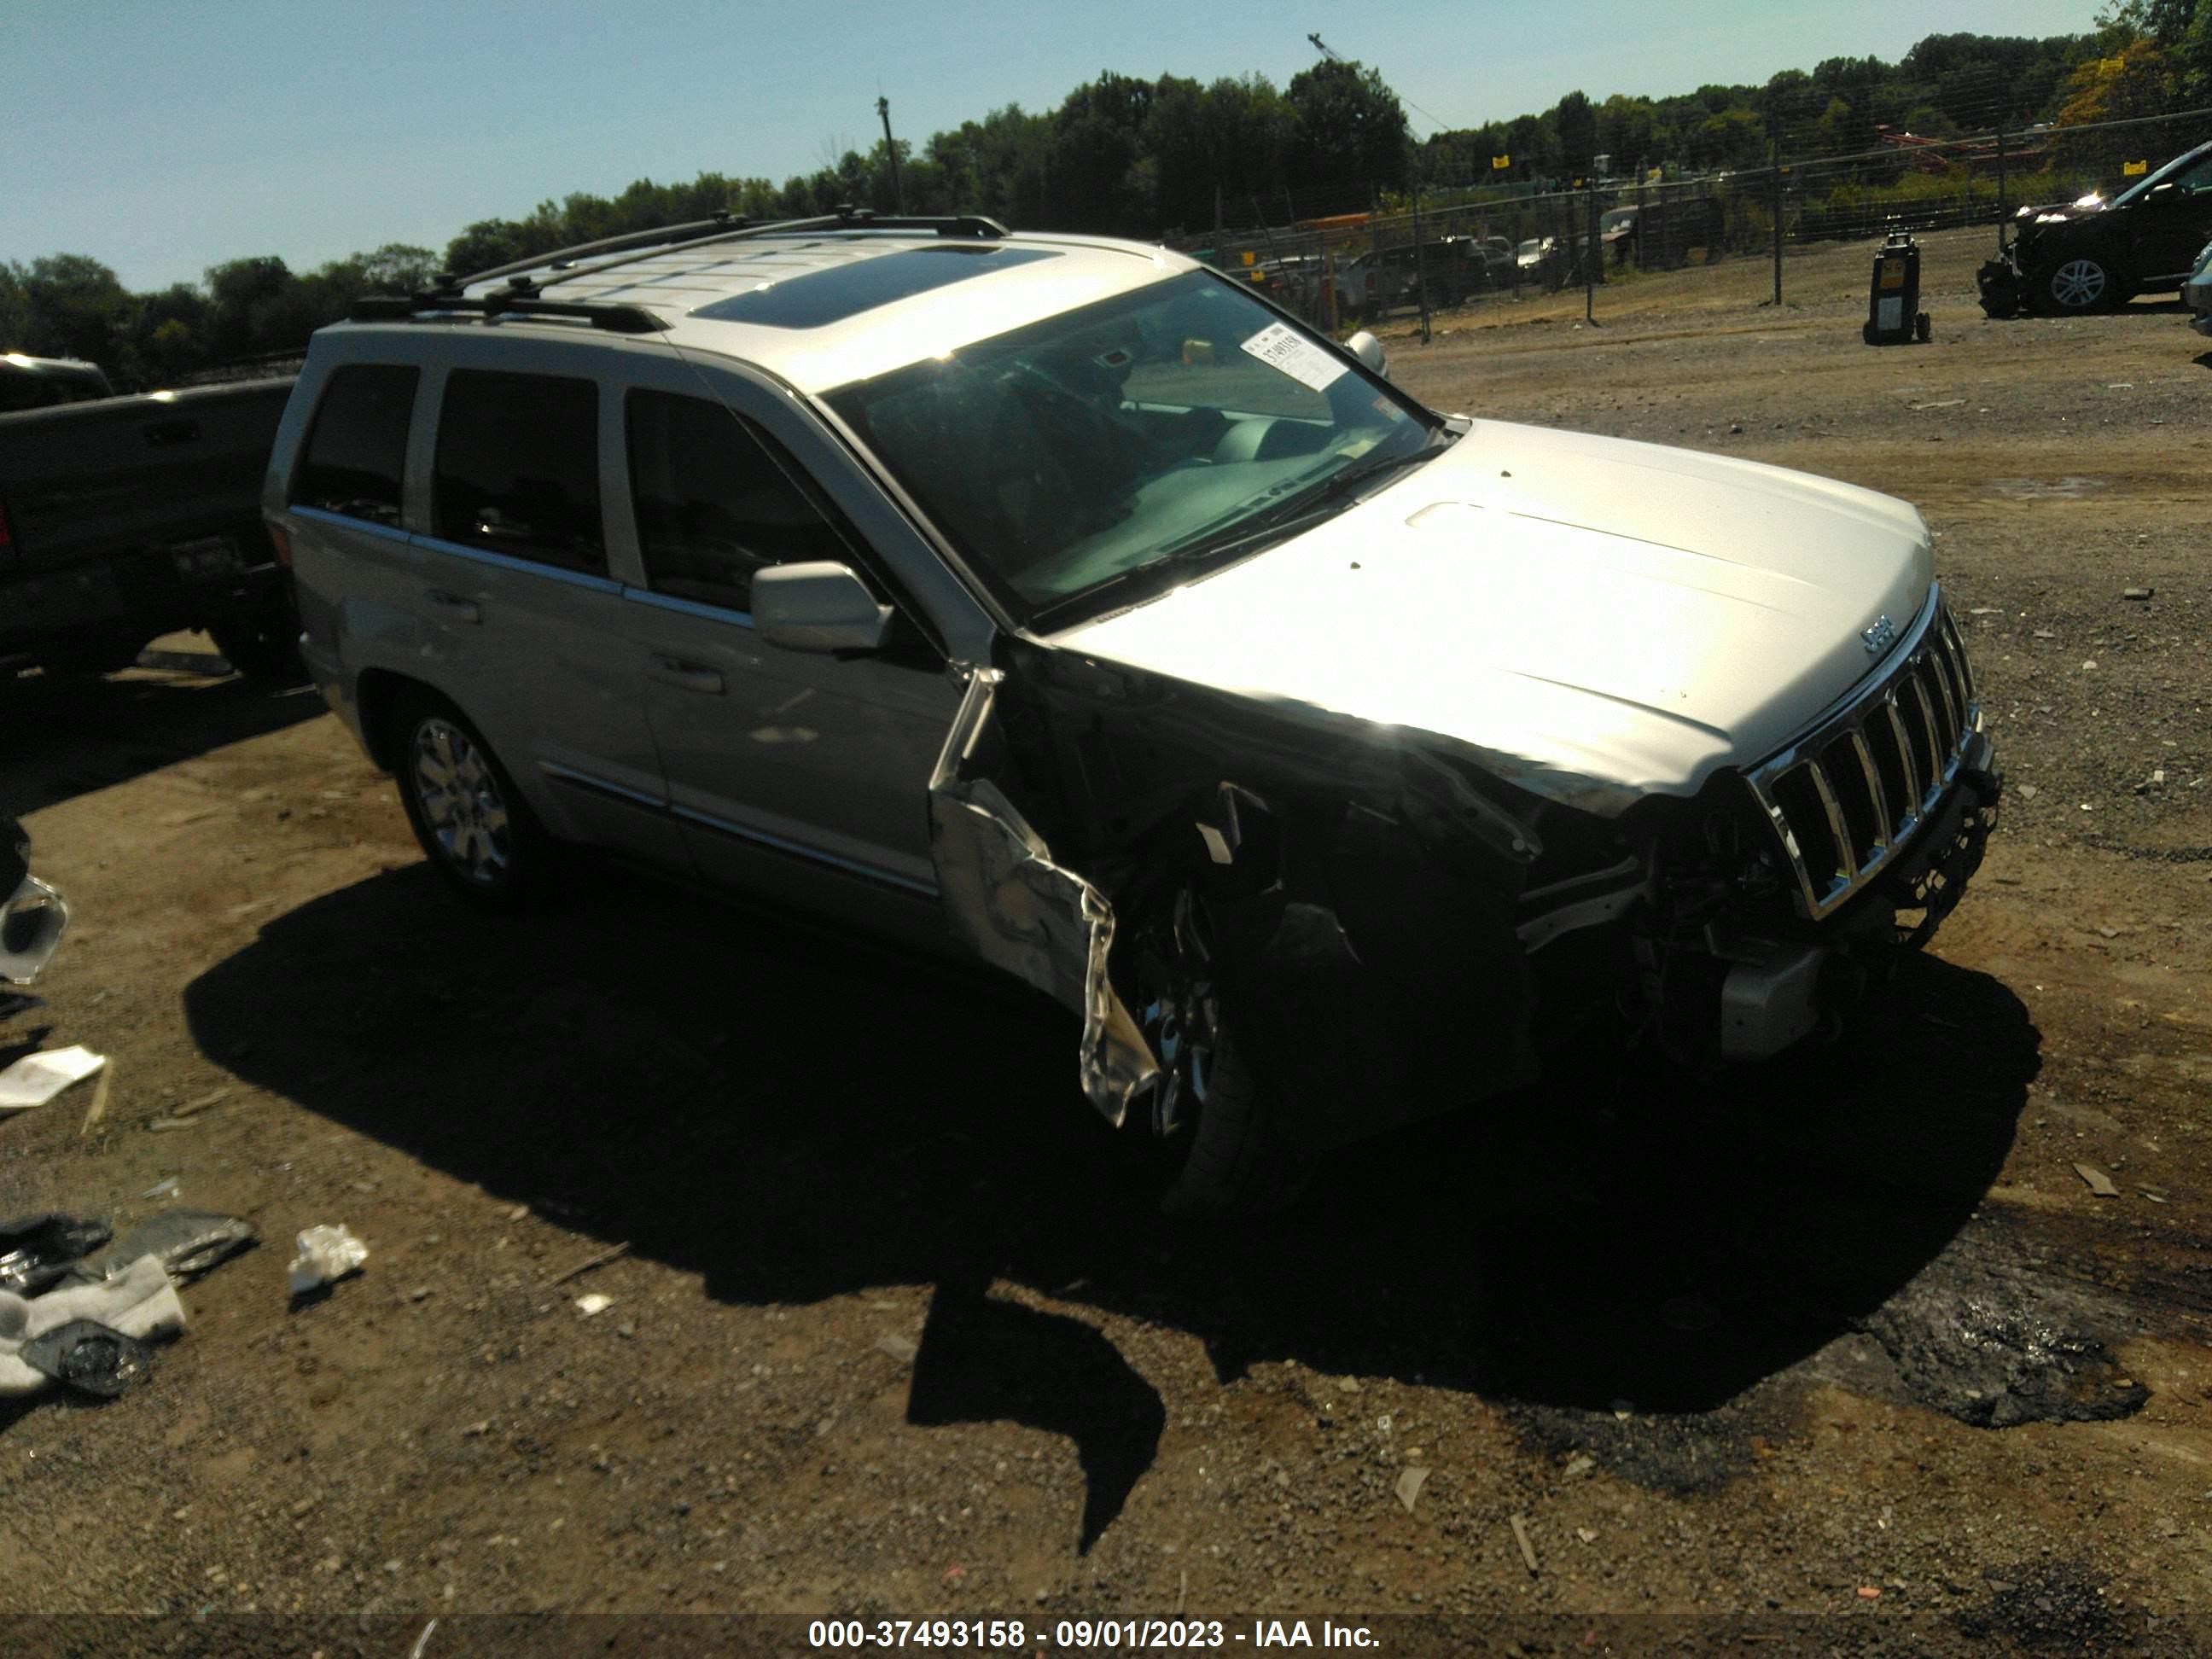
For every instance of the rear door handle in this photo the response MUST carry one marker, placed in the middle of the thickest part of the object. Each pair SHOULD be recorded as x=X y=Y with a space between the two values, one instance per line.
x=690 y=675
x=454 y=605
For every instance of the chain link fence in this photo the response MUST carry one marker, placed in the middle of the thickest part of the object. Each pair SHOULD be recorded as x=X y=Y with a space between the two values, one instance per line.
x=1481 y=244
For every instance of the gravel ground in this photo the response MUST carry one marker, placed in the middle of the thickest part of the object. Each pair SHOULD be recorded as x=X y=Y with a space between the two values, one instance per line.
x=894 y=1332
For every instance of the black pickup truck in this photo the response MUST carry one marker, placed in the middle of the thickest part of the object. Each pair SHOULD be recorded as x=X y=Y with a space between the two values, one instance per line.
x=122 y=519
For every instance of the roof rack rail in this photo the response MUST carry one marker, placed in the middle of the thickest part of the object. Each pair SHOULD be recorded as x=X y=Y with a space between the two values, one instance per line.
x=616 y=318
x=723 y=227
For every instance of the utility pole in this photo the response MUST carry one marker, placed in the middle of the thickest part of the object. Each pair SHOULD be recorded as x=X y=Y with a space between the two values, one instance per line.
x=2000 y=188
x=891 y=151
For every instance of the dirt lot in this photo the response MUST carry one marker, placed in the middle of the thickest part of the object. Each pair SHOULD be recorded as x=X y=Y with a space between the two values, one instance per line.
x=896 y=1332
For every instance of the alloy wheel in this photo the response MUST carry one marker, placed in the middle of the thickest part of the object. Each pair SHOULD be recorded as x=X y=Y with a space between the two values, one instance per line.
x=2078 y=284
x=461 y=801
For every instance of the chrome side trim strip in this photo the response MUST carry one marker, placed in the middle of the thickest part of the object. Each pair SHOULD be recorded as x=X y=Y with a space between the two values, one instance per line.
x=689 y=607
x=778 y=843
x=520 y=567
x=561 y=774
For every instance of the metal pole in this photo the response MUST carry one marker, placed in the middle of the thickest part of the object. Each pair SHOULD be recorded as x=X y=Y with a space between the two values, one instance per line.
x=2000 y=191
x=1589 y=260
x=890 y=149
x=1420 y=266
x=1778 y=225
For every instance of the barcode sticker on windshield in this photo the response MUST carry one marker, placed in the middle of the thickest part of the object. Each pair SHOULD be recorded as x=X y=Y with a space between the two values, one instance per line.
x=1281 y=346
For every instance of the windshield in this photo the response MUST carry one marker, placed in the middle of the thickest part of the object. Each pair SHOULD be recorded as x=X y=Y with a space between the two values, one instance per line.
x=1174 y=423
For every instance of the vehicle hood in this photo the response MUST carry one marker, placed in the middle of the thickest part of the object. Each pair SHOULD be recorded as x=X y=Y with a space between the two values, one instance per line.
x=2047 y=216
x=1601 y=620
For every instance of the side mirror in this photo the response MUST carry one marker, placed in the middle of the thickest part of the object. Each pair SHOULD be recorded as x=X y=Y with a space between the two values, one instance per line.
x=817 y=607
x=1369 y=350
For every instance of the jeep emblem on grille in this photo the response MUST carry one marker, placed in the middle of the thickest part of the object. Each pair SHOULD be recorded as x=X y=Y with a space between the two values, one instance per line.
x=1879 y=636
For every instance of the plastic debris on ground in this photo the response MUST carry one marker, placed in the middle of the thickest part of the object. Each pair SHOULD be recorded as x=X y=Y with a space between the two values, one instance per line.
x=2097 y=1181
x=138 y=1303
x=187 y=1242
x=36 y=1078
x=90 y=1356
x=593 y=1303
x=38 y=1250
x=327 y=1254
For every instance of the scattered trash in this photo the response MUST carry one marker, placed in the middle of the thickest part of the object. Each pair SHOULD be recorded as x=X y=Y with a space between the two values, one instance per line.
x=599 y=1259
x=1579 y=1464
x=193 y=1108
x=1586 y=1534
x=2153 y=1196
x=1409 y=1488
x=593 y=1303
x=2137 y=592
x=186 y=1243
x=139 y=1302
x=901 y=1348
x=1521 y=1536
x=2027 y=791
x=168 y=1186
x=98 y=1110
x=2090 y=663
x=38 y=1251
x=89 y=1357
x=1870 y=1592
x=165 y=1125
x=327 y=1254
x=37 y=1078
x=2099 y=1182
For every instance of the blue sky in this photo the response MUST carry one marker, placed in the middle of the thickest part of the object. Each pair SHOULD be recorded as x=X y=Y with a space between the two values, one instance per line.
x=164 y=138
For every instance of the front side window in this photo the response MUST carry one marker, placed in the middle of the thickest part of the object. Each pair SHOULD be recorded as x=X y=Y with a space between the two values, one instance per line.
x=1157 y=428
x=357 y=450
x=517 y=468
x=714 y=504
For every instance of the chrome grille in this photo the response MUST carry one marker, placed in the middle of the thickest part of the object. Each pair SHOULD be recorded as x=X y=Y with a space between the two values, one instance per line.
x=1849 y=795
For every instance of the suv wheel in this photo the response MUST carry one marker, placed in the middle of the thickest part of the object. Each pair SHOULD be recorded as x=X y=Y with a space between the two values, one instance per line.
x=1211 y=1121
x=474 y=826
x=2080 y=282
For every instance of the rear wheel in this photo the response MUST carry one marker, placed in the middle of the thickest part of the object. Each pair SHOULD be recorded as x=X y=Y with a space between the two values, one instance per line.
x=473 y=824
x=1213 y=1124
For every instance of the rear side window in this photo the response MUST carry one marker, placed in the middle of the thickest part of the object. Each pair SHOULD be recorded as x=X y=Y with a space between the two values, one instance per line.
x=357 y=447
x=517 y=468
x=713 y=504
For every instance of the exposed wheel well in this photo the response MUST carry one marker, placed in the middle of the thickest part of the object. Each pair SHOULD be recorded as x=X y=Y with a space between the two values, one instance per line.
x=378 y=695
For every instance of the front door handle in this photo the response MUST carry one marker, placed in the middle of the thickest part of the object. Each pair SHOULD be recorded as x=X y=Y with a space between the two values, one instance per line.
x=688 y=676
x=454 y=605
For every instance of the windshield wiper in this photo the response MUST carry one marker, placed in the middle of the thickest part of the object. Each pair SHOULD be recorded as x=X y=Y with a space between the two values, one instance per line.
x=1274 y=524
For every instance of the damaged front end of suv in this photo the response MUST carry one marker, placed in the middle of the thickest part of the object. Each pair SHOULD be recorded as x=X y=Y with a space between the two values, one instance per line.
x=1288 y=926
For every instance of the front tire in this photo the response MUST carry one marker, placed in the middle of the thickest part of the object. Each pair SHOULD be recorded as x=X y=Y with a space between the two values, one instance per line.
x=1213 y=1124
x=2078 y=284
x=472 y=823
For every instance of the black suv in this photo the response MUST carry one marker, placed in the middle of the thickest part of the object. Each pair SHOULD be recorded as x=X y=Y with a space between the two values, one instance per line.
x=2092 y=255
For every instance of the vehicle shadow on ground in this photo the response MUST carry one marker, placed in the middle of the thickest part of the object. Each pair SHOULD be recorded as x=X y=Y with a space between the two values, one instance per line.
x=793 y=1119
x=69 y=737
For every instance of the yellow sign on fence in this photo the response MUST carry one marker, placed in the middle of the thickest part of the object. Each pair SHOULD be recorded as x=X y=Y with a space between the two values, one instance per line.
x=1499 y=163
x=2134 y=169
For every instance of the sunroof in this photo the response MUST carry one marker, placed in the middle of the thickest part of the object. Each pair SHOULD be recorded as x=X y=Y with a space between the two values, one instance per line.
x=820 y=297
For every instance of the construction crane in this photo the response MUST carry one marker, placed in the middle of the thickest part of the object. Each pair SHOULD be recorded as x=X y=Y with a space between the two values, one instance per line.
x=1336 y=56
x=1322 y=47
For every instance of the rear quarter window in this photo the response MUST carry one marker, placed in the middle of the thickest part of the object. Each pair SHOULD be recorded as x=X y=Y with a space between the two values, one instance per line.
x=517 y=469
x=357 y=450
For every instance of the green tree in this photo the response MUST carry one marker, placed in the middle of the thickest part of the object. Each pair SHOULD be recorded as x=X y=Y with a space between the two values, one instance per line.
x=74 y=306
x=1576 y=121
x=1351 y=140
